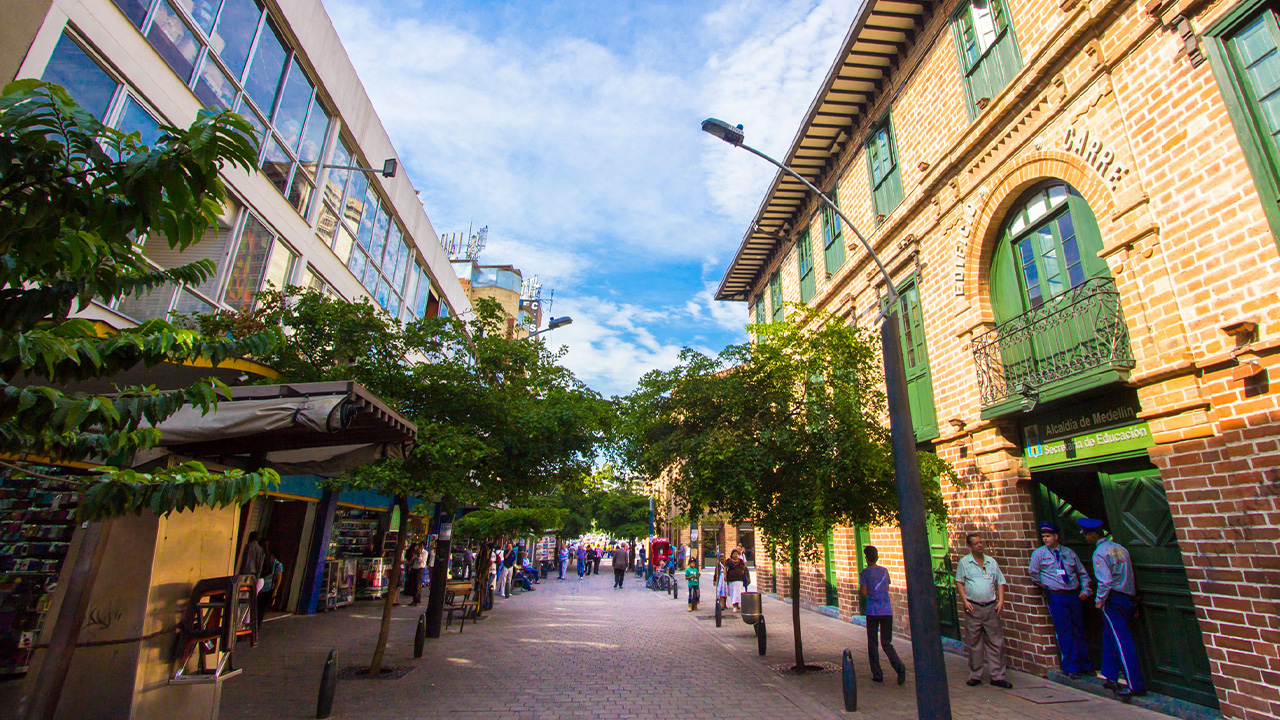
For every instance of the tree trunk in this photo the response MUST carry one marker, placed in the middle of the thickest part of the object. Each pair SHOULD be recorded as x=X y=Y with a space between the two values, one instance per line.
x=66 y=630
x=795 y=603
x=440 y=569
x=483 y=560
x=393 y=588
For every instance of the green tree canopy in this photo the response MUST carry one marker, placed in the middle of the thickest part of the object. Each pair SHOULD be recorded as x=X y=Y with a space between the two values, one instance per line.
x=787 y=431
x=75 y=199
x=490 y=525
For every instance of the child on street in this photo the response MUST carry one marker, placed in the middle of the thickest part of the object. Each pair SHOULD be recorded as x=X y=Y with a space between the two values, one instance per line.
x=691 y=575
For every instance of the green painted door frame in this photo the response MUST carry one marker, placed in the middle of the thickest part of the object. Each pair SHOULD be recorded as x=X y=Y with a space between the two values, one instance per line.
x=829 y=570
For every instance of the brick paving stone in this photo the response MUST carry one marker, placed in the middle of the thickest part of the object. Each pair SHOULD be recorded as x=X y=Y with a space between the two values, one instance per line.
x=581 y=649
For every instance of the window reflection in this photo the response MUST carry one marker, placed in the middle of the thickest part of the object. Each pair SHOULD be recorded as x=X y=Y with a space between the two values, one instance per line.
x=291 y=112
x=237 y=24
x=133 y=118
x=249 y=265
x=267 y=67
x=202 y=11
x=214 y=88
x=173 y=40
x=276 y=165
x=74 y=70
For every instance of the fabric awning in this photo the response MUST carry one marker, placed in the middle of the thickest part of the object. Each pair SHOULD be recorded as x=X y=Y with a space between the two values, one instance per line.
x=296 y=429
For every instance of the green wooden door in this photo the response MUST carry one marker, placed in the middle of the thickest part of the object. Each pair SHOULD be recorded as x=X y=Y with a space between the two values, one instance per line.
x=944 y=577
x=1173 y=654
x=829 y=570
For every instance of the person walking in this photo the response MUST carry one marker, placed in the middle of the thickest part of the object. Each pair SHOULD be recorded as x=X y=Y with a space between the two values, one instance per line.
x=722 y=585
x=692 y=577
x=735 y=574
x=596 y=555
x=562 y=561
x=619 y=565
x=582 y=561
x=873 y=584
x=1058 y=572
x=1116 y=594
x=251 y=559
x=980 y=591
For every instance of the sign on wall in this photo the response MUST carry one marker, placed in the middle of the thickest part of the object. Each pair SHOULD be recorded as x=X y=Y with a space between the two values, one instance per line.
x=1083 y=432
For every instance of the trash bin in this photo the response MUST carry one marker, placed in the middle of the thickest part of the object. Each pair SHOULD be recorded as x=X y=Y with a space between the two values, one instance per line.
x=752 y=609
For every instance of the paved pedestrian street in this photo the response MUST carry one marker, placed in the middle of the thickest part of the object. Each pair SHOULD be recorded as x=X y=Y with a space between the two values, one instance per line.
x=581 y=649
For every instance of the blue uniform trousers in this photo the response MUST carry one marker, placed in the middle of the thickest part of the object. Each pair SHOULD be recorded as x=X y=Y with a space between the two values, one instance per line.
x=1067 y=612
x=1118 y=651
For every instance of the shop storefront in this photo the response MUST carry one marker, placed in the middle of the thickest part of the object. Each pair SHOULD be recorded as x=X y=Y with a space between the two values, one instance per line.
x=1089 y=459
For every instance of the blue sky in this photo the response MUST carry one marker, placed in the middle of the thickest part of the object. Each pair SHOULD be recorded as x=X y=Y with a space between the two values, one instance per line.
x=571 y=129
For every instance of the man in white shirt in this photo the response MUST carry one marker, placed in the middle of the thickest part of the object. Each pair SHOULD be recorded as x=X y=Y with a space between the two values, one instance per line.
x=980 y=592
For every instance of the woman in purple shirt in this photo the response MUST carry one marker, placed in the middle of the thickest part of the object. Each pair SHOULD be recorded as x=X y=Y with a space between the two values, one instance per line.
x=873 y=584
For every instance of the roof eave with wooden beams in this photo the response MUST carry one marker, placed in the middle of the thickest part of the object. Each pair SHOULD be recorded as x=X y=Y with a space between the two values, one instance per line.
x=879 y=37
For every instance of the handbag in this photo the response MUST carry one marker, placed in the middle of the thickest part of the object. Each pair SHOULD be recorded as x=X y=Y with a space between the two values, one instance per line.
x=746 y=578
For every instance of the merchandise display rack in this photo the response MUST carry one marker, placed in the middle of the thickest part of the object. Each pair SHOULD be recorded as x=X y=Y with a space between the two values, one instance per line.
x=37 y=521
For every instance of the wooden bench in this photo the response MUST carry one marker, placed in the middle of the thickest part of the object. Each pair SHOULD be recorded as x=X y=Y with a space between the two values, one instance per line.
x=463 y=599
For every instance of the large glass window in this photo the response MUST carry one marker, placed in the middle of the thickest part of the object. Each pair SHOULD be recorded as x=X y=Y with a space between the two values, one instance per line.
x=207 y=43
x=86 y=82
x=988 y=51
x=882 y=165
x=250 y=264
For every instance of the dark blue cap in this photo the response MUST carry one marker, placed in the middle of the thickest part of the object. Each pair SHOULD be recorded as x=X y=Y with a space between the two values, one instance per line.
x=1048 y=527
x=1089 y=524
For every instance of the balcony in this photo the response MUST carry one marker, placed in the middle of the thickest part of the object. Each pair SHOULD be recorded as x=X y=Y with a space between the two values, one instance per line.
x=1075 y=341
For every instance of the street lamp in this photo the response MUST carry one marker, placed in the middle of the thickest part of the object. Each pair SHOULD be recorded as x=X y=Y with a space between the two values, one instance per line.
x=388 y=169
x=553 y=324
x=933 y=698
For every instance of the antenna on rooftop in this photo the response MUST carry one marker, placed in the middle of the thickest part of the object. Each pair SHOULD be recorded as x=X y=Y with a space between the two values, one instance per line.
x=465 y=246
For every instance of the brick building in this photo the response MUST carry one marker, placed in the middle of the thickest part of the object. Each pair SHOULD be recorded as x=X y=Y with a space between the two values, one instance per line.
x=1078 y=203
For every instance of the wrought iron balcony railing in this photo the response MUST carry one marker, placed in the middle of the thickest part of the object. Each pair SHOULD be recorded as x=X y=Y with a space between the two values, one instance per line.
x=1081 y=330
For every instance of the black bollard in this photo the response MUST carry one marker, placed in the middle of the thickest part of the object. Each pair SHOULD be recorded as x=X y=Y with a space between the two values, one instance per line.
x=675 y=590
x=420 y=637
x=762 y=638
x=328 y=686
x=717 y=612
x=850 y=683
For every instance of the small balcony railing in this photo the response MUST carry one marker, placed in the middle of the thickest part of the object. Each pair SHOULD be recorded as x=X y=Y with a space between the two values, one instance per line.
x=1080 y=331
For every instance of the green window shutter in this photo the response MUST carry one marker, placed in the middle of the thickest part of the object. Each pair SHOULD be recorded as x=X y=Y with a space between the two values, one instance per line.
x=804 y=267
x=759 y=310
x=1242 y=50
x=829 y=569
x=915 y=358
x=987 y=49
x=882 y=166
x=833 y=237
x=775 y=298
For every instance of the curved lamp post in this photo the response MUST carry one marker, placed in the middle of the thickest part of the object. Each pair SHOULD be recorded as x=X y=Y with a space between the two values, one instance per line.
x=933 y=698
x=553 y=324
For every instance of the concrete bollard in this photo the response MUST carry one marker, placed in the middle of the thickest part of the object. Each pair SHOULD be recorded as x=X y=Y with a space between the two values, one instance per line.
x=420 y=637
x=328 y=686
x=762 y=637
x=850 y=683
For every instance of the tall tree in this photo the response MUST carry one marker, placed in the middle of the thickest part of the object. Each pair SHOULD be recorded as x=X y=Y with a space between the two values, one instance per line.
x=75 y=199
x=787 y=431
x=499 y=420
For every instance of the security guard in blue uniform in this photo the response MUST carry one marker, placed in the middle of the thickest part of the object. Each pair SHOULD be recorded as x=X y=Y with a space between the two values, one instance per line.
x=1115 y=598
x=1057 y=571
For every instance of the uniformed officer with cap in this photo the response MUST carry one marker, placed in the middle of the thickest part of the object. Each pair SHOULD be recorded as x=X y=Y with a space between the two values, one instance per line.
x=1115 y=598
x=1057 y=571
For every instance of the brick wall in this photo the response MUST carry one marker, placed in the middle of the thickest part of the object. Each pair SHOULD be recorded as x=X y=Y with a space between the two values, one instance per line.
x=1189 y=247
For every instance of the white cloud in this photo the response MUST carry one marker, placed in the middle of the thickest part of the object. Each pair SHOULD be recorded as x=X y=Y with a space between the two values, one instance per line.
x=585 y=159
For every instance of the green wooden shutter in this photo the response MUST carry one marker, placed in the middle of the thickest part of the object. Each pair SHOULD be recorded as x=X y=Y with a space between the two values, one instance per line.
x=861 y=539
x=833 y=237
x=829 y=570
x=759 y=310
x=1242 y=50
x=804 y=267
x=775 y=297
x=924 y=416
x=882 y=166
x=986 y=70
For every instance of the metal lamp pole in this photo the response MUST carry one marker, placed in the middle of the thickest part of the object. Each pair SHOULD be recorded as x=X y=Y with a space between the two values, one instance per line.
x=933 y=697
